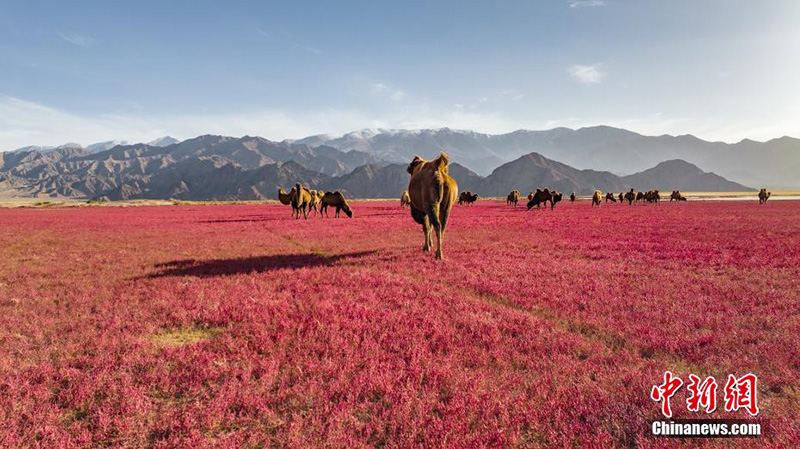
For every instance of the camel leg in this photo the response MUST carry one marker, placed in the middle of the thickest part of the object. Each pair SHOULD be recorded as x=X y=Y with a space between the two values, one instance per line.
x=433 y=217
x=426 y=231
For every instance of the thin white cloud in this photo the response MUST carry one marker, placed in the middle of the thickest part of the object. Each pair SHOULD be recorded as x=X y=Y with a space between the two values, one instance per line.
x=308 y=48
x=586 y=74
x=586 y=3
x=386 y=91
x=76 y=39
x=287 y=38
x=510 y=95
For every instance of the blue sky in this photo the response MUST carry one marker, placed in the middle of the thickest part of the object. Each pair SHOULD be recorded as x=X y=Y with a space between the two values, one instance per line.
x=91 y=71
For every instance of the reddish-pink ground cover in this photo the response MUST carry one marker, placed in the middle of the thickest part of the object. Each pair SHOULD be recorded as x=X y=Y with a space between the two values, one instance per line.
x=539 y=328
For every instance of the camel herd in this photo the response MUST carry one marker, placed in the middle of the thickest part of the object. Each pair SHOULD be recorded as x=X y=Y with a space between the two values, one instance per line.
x=432 y=192
x=467 y=198
x=302 y=199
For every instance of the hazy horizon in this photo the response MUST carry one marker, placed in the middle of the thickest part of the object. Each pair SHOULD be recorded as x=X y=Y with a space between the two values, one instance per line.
x=83 y=72
x=376 y=130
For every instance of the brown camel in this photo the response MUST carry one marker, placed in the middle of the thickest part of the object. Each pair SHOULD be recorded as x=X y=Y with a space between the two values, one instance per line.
x=405 y=200
x=763 y=196
x=433 y=193
x=467 y=198
x=314 y=202
x=539 y=197
x=676 y=196
x=630 y=197
x=337 y=201
x=555 y=197
x=513 y=198
x=300 y=200
x=597 y=198
x=572 y=197
x=286 y=198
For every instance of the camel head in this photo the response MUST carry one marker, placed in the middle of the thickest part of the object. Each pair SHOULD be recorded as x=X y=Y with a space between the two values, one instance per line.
x=416 y=162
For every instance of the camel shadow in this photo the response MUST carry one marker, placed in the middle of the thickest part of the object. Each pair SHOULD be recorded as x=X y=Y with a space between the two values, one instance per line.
x=248 y=265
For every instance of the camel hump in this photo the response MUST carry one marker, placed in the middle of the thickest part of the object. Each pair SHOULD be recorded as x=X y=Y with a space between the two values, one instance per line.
x=442 y=161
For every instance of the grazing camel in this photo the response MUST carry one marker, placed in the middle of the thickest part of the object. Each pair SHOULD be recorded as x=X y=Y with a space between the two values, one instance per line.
x=300 y=200
x=610 y=197
x=630 y=197
x=539 y=197
x=639 y=196
x=513 y=198
x=286 y=198
x=572 y=197
x=763 y=196
x=336 y=200
x=433 y=193
x=597 y=198
x=405 y=200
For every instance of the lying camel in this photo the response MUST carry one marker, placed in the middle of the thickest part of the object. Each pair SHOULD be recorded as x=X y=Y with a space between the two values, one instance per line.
x=597 y=198
x=433 y=193
x=336 y=200
x=405 y=200
x=513 y=198
x=300 y=200
x=676 y=196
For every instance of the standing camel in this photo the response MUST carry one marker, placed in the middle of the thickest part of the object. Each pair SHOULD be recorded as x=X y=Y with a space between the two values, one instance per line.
x=300 y=200
x=433 y=193
x=286 y=198
x=405 y=200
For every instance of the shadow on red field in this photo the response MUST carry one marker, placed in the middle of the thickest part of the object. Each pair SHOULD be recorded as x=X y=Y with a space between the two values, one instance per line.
x=246 y=265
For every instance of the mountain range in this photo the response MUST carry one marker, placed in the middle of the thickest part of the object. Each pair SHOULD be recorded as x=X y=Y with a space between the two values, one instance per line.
x=249 y=168
x=774 y=163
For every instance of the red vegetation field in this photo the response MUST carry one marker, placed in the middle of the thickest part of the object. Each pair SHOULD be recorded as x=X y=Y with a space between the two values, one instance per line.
x=235 y=325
